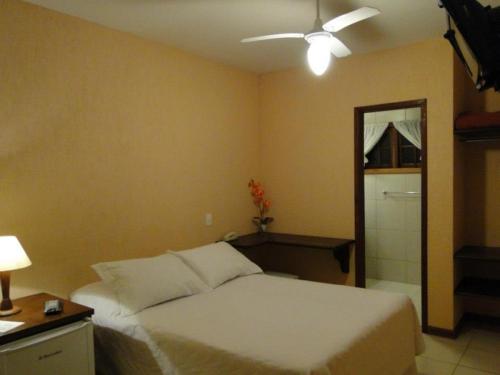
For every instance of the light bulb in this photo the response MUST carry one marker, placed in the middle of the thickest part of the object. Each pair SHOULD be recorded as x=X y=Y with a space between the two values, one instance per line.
x=319 y=54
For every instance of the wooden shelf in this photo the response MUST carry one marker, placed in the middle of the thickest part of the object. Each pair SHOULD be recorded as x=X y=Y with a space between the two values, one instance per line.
x=393 y=170
x=476 y=287
x=481 y=253
x=338 y=246
x=478 y=134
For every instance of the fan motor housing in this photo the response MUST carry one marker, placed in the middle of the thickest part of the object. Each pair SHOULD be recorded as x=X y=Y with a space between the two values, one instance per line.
x=317 y=34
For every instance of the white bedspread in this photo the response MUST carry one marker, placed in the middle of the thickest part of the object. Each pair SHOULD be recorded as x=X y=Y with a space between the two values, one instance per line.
x=268 y=325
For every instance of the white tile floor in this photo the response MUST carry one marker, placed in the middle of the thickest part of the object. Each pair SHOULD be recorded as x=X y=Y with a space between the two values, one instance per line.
x=475 y=352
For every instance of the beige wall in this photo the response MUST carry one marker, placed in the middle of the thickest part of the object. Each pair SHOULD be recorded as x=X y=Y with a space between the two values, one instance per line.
x=492 y=101
x=465 y=98
x=482 y=178
x=491 y=162
x=115 y=147
x=462 y=90
x=308 y=147
x=480 y=163
x=482 y=203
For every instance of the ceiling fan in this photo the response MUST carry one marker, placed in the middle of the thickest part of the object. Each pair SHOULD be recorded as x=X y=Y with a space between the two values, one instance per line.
x=322 y=43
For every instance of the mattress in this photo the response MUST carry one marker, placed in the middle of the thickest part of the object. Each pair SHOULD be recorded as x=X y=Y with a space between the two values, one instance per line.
x=262 y=324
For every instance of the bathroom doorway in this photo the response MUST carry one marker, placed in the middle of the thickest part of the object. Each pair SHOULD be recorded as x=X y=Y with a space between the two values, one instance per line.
x=391 y=200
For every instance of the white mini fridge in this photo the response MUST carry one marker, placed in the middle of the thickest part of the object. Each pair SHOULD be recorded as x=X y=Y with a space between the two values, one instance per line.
x=67 y=350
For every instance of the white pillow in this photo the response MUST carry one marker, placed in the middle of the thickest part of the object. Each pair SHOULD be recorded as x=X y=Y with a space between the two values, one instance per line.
x=143 y=282
x=98 y=296
x=217 y=263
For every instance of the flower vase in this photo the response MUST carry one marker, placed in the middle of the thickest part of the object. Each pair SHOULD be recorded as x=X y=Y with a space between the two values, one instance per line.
x=262 y=223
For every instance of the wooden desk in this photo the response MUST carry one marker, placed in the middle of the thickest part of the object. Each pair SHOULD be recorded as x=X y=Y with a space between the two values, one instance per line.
x=260 y=248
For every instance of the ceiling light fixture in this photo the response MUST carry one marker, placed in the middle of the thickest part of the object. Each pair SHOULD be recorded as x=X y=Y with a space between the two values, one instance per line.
x=319 y=54
x=322 y=43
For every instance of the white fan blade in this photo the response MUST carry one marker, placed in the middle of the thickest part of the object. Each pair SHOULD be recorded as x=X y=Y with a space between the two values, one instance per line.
x=339 y=49
x=340 y=22
x=272 y=36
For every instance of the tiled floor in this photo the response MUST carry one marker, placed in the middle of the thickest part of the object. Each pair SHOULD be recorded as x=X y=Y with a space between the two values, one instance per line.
x=475 y=352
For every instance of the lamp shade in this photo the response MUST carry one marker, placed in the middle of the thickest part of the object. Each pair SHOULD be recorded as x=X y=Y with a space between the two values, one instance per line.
x=12 y=254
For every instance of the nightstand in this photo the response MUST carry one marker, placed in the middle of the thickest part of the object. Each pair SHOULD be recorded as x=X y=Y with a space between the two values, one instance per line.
x=48 y=345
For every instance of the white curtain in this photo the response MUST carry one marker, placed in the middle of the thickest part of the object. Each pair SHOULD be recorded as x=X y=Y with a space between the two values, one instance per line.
x=373 y=133
x=410 y=129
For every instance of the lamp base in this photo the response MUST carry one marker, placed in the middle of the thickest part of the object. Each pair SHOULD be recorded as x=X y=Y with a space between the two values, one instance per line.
x=14 y=310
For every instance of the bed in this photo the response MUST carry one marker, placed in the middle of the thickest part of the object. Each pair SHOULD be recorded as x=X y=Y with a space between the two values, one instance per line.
x=258 y=324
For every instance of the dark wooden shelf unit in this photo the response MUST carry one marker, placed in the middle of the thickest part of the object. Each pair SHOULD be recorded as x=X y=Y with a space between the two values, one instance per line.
x=338 y=246
x=474 y=287
x=477 y=286
x=478 y=134
x=482 y=253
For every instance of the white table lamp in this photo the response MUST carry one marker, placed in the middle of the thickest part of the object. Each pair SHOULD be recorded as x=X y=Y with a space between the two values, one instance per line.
x=12 y=257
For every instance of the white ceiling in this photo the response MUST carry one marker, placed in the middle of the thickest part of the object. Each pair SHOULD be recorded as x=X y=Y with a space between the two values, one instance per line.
x=213 y=28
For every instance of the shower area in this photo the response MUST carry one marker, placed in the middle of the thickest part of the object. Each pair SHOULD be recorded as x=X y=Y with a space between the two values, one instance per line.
x=392 y=201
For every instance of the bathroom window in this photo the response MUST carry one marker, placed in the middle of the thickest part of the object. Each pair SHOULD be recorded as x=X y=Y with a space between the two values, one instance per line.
x=393 y=151
x=409 y=155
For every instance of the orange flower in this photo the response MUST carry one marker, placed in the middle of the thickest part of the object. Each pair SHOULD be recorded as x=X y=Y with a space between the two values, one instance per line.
x=263 y=205
x=258 y=193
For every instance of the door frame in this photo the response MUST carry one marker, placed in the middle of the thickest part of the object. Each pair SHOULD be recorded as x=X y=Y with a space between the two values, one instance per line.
x=360 y=193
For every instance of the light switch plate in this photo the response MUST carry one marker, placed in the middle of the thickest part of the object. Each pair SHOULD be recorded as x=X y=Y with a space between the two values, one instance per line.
x=209 y=219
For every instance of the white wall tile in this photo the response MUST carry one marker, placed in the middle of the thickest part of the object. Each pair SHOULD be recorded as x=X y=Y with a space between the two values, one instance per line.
x=370 y=181
x=389 y=116
x=371 y=243
x=370 y=214
x=391 y=270
x=397 y=115
x=413 y=273
x=387 y=182
x=413 y=113
x=412 y=215
x=369 y=118
x=371 y=268
x=391 y=244
x=413 y=182
x=382 y=116
x=392 y=237
x=413 y=246
x=390 y=214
